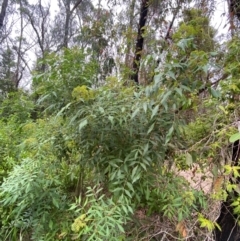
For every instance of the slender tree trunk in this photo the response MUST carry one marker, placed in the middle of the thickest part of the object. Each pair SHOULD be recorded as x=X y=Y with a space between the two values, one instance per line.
x=232 y=13
x=168 y=34
x=18 y=75
x=3 y=12
x=67 y=23
x=140 y=40
x=129 y=42
x=69 y=13
x=44 y=46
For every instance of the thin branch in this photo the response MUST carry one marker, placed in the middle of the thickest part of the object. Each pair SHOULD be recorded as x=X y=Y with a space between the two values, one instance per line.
x=167 y=36
x=212 y=84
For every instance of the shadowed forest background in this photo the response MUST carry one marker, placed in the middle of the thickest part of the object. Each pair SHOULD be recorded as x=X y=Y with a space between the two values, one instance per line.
x=119 y=120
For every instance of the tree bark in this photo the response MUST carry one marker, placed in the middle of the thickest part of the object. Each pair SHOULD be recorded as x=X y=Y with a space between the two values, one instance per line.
x=129 y=43
x=140 y=40
x=67 y=21
x=3 y=12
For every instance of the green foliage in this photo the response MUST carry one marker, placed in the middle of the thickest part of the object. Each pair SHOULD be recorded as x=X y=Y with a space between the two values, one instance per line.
x=234 y=137
x=177 y=196
x=196 y=26
x=10 y=137
x=7 y=72
x=32 y=201
x=206 y=223
x=119 y=140
x=17 y=106
x=94 y=157
x=36 y=195
x=100 y=218
x=126 y=142
x=82 y=93
x=231 y=87
x=65 y=71
x=191 y=56
x=15 y=111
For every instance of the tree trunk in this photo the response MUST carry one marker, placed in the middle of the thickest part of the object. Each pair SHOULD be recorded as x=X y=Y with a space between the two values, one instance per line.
x=140 y=40
x=67 y=23
x=230 y=230
x=69 y=13
x=129 y=42
x=3 y=12
x=18 y=75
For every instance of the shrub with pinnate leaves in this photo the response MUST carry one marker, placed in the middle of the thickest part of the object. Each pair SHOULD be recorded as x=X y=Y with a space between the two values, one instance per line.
x=32 y=201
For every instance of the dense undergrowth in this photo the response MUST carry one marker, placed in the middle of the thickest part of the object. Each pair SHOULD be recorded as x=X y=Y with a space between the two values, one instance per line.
x=80 y=162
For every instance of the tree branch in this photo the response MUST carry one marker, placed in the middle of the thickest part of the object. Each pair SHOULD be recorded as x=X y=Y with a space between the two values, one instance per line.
x=75 y=6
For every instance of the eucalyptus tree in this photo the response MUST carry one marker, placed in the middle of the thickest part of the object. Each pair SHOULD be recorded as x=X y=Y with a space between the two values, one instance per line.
x=153 y=28
x=68 y=7
x=94 y=32
x=140 y=39
x=129 y=44
x=192 y=45
x=38 y=17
